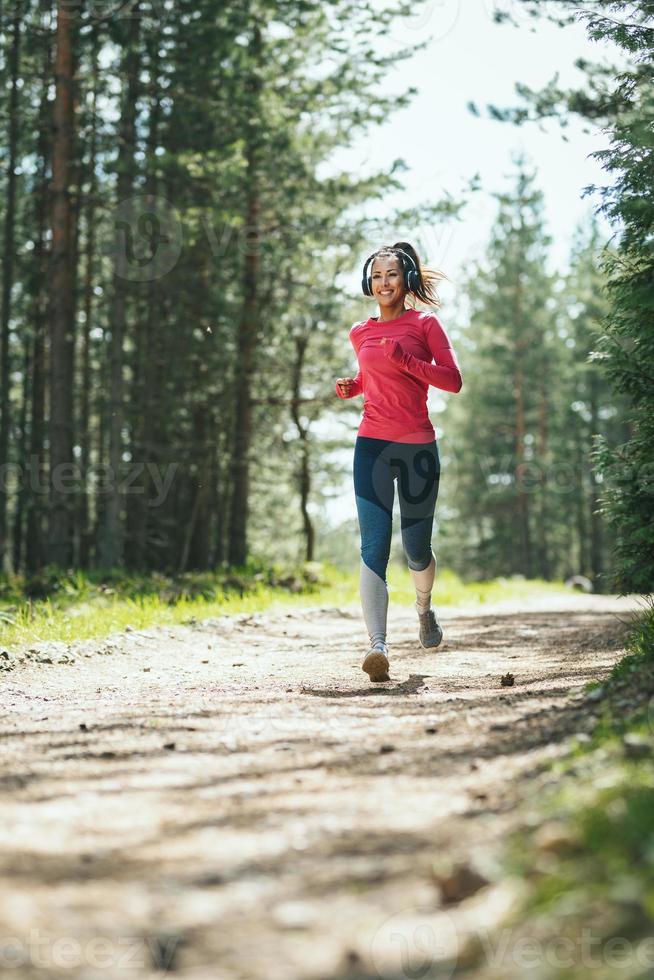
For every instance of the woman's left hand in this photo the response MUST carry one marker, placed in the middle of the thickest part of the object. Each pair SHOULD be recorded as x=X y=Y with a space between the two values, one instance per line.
x=392 y=349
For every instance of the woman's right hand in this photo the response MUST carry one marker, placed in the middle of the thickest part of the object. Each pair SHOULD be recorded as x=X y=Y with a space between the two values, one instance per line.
x=345 y=386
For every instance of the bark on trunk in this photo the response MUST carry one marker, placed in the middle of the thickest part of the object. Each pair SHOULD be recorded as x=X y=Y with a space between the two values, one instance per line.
x=85 y=378
x=523 y=497
x=594 y=496
x=61 y=293
x=8 y=276
x=249 y=321
x=35 y=543
x=304 y=471
x=543 y=549
x=112 y=538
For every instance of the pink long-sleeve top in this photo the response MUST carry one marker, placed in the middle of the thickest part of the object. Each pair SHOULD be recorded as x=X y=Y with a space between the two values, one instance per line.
x=394 y=376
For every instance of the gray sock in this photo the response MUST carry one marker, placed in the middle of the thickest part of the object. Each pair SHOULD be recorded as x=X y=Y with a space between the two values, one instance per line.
x=374 y=603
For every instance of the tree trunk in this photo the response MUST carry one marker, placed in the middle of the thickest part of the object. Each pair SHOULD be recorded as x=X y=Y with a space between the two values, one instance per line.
x=220 y=483
x=35 y=538
x=198 y=557
x=8 y=276
x=249 y=321
x=594 y=496
x=112 y=537
x=147 y=377
x=61 y=309
x=523 y=498
x=304 y=471
x=23 y=490
x=85 y=378
x=35 y=545
x=543 y=550
x=581 y=504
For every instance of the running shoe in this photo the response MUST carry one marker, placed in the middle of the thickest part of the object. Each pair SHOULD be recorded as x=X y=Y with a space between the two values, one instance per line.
x=376 y=663
x=430 y=633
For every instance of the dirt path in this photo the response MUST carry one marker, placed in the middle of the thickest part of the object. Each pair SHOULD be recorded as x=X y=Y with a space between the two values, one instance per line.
x=235 y=800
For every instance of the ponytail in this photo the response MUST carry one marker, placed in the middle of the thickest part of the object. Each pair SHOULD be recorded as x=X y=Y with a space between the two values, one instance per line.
x=428 y=279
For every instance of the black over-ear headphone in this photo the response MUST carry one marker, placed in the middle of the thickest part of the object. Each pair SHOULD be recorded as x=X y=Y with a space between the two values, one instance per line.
x=409 y=268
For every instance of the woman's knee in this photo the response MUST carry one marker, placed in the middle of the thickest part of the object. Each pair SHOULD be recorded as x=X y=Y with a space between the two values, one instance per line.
x=375 y=554
x=418 y=558
x=416 y=541
x=418 y=564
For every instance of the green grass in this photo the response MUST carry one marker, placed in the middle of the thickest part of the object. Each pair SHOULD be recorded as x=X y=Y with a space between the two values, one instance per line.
x=80 y=605
x=632 y=671
x=450 y=590
x=640 y=643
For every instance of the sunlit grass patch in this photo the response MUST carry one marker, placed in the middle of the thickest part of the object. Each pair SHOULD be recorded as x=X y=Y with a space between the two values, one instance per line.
x=450 y=590
x=79 y=605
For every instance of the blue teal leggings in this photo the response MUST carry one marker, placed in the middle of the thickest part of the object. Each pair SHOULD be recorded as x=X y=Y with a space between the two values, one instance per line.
x=377 y=464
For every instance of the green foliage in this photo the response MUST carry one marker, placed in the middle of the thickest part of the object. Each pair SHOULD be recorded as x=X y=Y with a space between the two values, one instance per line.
x=628 y=503
x=626 y=348
x=585 y=857
x=623 y=100
x=239 y=108
x=498 y=422
x=523 y=495
x=604 y=869
x=640 y=643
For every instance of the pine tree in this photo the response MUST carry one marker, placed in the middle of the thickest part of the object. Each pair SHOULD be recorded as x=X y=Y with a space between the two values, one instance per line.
x=622 y=100
x=590 y=406
x=216 y=124
x=502 y=424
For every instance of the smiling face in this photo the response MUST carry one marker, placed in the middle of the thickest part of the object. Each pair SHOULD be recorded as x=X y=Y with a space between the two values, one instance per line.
x=388 y=281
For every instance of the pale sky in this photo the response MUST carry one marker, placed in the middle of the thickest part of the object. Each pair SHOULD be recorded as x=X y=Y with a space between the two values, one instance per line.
x=470 y=58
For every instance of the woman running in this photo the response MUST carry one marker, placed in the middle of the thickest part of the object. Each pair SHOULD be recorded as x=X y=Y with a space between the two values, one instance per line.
x=400 y=353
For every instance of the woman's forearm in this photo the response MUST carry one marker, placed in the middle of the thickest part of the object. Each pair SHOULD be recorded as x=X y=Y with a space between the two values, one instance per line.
x=445 y=374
